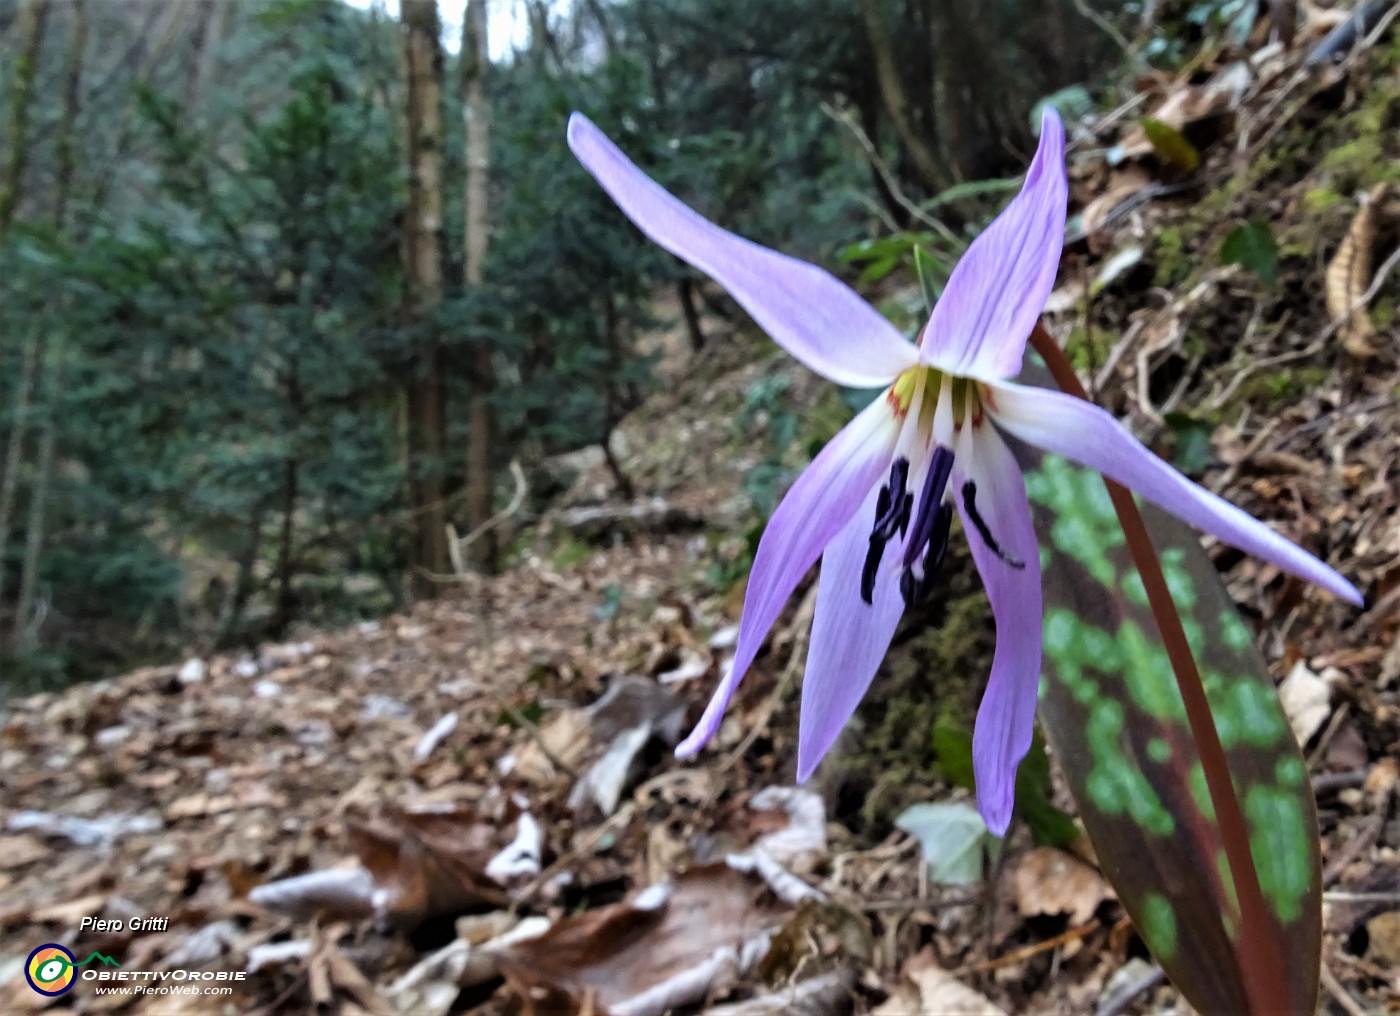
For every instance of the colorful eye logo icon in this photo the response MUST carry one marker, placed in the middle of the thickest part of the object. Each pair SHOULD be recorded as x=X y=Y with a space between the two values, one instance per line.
x=49 y=969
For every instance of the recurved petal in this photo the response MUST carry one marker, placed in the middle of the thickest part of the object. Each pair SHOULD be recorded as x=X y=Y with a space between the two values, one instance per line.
x=814 y=510
x=849 y=636
x=814 y=316
x=997 y=290
x=1085 y=433
x=1006 y=717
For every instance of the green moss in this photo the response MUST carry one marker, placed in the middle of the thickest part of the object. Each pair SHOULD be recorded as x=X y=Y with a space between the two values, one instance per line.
x=939 y=671
x=1085 y=349
x=1170 y=255
x=1282 y=386
x=1319 y=199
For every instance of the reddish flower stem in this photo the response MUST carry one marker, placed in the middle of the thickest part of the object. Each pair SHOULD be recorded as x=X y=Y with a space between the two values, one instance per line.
x=1260 y=961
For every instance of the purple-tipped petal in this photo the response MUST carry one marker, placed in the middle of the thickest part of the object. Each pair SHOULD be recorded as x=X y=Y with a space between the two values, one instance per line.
x=814 y=316
x=1006 y=718
x=995 y=295
x=815 y=509
x=849 y=636
x=1085 y=433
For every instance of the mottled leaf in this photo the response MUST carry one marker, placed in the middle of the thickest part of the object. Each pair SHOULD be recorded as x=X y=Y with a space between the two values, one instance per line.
x=1113 y=714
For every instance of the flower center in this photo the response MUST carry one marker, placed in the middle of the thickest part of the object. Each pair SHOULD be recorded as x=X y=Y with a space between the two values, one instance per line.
x=923 y=553
x=941 y=405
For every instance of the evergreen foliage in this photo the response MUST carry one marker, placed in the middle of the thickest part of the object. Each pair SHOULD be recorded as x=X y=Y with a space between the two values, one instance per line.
x=220 y=342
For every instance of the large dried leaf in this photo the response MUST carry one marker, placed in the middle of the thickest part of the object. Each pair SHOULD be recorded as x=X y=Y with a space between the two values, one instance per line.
x=1111 y=708
x=671 y=945
x=427 y=863
x=1349 y=274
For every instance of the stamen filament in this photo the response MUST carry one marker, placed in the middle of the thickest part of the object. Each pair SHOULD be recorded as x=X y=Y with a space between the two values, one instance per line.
x=969 y=492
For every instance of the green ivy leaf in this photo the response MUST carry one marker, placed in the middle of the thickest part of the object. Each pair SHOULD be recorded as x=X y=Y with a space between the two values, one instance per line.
x=1251 y=245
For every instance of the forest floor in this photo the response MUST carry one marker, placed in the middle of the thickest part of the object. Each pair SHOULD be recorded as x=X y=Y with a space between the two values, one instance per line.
x=388 y=818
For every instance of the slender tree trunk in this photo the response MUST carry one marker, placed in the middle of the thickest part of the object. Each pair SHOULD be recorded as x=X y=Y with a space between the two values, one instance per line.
x=26 y=631
x=423 y=288
x=612 y=408
x=206 y=57
x=685 y=292
x=9 y=483
x=895 y=100
x=67 y=132
x=33 y=19
x=14 y=450
x=476 y=63
x=285 y=570
x=232 y=614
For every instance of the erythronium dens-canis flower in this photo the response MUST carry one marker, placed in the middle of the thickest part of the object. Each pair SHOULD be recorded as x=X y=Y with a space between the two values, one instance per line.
x=876 y=503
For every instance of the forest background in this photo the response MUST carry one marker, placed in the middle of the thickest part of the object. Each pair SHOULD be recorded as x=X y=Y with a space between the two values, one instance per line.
x=285 y=286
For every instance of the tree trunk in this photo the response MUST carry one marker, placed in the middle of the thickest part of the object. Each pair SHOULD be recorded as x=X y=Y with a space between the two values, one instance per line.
x=67 y=132
x=613 y=410
x=480 y=486
x=896 y=102
x=685 y=291
x=33 y=350
x=14 y=451
x=26 y=632
x=33 y=20
x=422 y=250
x=285 y=571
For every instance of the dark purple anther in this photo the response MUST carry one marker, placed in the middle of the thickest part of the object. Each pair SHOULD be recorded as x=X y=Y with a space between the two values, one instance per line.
x=892 y=507
x=935 y=483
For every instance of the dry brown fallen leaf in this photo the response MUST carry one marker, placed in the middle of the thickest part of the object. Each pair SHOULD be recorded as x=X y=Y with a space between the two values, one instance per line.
x=336 y=984
x=1349 y=274
x=670 y=945
x=432 y=862
x=1307 y=701
x=1049 y=881
x=927 y=988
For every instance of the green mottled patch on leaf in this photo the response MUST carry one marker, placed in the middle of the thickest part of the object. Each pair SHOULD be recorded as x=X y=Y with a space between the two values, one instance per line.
x=1278 y=836
x=1200 y=791
x=1116 y=785
x=1073 y=537
x=1259 y=719
x=1233 y=632
x=1148 y=674
x=1290 y=771
x=1114 y=713
x=1179 y=581
x=1159 y=925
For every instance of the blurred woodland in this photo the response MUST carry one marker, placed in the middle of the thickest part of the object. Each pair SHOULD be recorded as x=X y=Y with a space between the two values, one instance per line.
x=256 y=358
x=376 y=503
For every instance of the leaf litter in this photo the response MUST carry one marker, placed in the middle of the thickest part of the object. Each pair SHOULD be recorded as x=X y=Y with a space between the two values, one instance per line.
x=472 y=806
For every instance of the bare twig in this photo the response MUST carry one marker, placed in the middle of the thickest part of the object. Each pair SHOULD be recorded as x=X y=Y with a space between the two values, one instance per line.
x=456 y=544
x=1115 y=1004
x=845 y=118
x=1108 y=28
x=1339 y=993
x=1345 y=897
x=1359 y=843
x=802 y=629
x=1026 y=952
